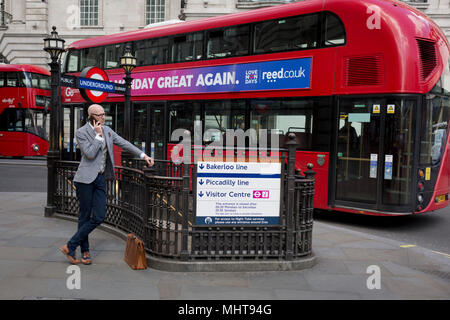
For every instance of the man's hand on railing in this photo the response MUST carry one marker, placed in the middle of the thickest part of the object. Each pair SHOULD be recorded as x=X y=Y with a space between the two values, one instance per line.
x=149 y=161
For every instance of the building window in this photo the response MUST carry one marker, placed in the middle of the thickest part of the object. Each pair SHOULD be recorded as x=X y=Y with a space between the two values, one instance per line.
x=3 y=59
x=89 y=12
x=155 y=11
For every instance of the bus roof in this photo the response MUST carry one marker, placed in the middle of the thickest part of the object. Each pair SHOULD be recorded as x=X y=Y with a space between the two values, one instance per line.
x=285 y=10
x=23 y=68
x=201 y=24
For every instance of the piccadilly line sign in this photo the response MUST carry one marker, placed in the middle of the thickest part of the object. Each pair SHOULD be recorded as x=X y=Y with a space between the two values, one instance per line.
x=268 y=75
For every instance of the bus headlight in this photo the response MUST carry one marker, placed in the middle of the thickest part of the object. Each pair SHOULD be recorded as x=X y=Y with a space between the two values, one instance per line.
x=420 y=198
x=35 y=147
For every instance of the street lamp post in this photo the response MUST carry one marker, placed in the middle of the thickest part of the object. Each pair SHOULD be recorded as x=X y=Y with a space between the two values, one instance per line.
x=54 y=45
x=128 y=63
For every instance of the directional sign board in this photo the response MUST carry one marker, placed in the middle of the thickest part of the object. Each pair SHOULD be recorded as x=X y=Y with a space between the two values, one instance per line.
x=69 y=81
x=93 y=83
x=238 y=193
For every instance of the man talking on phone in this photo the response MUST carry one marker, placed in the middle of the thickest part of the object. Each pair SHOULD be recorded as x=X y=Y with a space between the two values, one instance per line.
x=97 y=165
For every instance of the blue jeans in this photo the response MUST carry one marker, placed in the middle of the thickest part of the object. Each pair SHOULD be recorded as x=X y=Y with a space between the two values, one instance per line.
x=92 y=198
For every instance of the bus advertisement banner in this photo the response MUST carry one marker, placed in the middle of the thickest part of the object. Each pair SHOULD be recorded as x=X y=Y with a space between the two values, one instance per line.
x=238 y=193
x=269 y=75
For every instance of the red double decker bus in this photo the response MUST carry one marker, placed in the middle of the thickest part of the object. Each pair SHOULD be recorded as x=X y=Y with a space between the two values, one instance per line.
x=362 y=84
x=24 y=109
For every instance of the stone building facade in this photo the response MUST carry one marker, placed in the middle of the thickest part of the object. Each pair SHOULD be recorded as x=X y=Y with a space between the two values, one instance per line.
x=24 y=23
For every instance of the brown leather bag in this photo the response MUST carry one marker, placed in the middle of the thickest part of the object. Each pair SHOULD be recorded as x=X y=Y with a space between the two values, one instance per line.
x=135 y=253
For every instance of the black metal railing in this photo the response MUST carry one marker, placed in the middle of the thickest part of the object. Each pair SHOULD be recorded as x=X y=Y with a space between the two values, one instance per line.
x=158 y=205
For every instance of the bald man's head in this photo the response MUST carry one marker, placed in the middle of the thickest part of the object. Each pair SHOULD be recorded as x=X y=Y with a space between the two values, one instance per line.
x=96 y=112
x=95 y=108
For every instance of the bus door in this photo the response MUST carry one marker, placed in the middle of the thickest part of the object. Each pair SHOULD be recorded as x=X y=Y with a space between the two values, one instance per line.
x=374 y=159
x=148 y=128
x=157 y=130
x=73 y=119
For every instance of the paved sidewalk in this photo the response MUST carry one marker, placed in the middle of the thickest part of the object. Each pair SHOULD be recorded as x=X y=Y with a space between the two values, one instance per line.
x=31 y=266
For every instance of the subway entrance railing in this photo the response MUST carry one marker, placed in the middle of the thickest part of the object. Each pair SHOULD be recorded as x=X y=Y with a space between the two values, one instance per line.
x=158 y=205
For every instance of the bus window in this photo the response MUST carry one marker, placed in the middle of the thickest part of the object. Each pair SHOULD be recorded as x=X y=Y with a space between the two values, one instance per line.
x=112 y=55
x=223 y=115
x=73 y=60
x=15 y=79
x=34 y=122
x=27 y=80
x=44 y=82
x=11 y=79
x=42 y=121
x=92 y=57
x=11 y=120
x=334 y=31
x=444 y=81
x=188 y=47
x=152 y=51
x=182 y=116
x=140 y=125
x=280 y=117
x=114 y=116
x=228 y=42
x=287 y=34
x=40 y=81
x=435 y=114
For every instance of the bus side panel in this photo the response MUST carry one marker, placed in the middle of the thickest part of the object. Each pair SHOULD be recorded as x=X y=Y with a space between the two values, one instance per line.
x=29 y=141
x=321 y=185
x=170 y=147
x=177 y=151
x=442 y=187
x=117 y=156
x=12 y=144
x=20 y=144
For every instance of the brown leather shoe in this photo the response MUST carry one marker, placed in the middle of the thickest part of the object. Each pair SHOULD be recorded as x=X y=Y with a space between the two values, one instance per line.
x=65 y=250
x=86 y=258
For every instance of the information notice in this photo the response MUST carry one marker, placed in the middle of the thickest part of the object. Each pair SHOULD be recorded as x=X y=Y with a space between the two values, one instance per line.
x=238 y=193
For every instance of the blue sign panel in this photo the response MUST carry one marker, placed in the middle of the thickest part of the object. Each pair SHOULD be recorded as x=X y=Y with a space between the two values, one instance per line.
x=96 y=85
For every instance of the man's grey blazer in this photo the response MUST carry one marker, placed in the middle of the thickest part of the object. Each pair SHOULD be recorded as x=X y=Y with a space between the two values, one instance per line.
x=91 y=153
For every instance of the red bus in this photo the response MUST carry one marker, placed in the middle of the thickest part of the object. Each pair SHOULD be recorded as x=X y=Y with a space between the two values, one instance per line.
x=362 y=84
x=24 y=109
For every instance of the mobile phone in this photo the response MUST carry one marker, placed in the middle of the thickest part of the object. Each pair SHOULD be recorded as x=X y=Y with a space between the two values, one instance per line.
x=92 y=120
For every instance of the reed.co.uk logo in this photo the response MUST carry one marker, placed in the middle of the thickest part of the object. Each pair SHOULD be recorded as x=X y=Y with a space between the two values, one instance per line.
x=273 y=76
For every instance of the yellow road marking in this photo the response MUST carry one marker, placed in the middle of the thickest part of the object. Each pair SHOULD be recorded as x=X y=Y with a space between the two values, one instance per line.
x=408 y=246
x=441 y=253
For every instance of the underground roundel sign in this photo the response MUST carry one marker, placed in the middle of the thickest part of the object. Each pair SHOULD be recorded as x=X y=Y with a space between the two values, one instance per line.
x=92 y=78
